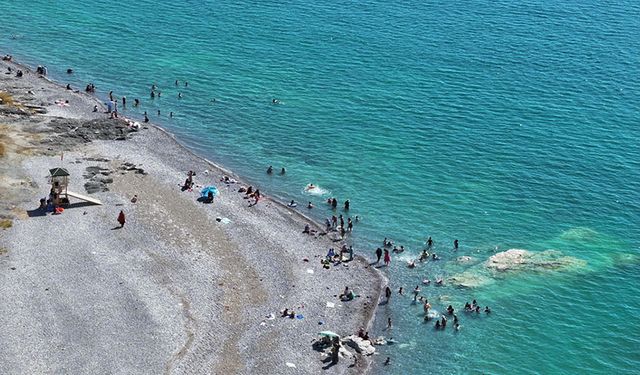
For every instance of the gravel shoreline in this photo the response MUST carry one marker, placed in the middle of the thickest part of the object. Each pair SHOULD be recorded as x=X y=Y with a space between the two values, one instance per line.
x=184 y=287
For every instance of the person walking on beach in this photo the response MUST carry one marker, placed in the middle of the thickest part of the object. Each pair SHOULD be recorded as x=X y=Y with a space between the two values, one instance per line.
x=387 y=257
x=378 y=254
x=121 y=219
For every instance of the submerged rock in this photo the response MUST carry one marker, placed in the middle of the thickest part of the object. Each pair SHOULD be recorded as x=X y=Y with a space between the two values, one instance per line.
x=524 y=260
x=470 y=279
x=579 y=234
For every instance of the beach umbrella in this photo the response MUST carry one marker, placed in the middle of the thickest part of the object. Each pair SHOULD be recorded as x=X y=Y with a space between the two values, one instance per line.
x=328 y=334
x=205 y=192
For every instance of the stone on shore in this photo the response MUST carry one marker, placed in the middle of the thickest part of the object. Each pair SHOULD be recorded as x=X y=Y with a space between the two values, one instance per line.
x=361 y=346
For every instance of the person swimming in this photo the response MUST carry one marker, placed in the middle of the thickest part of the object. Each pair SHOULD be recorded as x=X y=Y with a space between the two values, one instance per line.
x=283 y=171
x=270 y=169
x=455 y=244
x=310 y=205
x=275 y=101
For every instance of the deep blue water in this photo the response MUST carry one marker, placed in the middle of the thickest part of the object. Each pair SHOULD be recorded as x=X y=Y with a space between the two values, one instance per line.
x=502 y=124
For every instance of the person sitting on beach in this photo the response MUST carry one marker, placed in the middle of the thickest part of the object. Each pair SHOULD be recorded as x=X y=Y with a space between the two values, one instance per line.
x=69 y=87
x=19 y=73
x=307 y=229
x=249 y=190
x=95 y=108
x=209 y=197
x=146 y=118
x=331 y=254
x=347 y=295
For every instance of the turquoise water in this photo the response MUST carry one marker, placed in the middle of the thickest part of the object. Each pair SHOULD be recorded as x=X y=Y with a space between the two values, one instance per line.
x=503 y=125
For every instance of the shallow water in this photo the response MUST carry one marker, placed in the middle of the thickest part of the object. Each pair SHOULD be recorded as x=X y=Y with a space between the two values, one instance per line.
x=502 y=125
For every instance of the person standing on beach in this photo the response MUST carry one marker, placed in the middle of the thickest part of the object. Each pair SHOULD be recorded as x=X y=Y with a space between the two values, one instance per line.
x=378 y=254
x=121 y=219
x=387 y=258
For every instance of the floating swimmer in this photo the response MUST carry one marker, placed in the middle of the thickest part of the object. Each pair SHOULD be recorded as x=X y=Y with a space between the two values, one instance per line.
x=310 y=187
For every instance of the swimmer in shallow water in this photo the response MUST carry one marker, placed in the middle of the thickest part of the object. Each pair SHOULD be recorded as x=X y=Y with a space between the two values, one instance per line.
x=293 y=203
x=270 y=169
x=310 y=205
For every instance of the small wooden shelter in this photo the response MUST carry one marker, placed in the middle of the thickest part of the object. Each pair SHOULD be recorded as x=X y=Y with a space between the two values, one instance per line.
x=59 y=178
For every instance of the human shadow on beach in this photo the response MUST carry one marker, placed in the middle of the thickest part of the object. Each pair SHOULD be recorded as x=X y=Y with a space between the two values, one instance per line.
x=37 y=212
x=330 y=364
x=116 y=228
x=205 y=200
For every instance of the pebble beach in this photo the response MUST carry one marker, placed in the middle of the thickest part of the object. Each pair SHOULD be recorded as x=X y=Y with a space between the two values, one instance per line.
x=183 y=286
